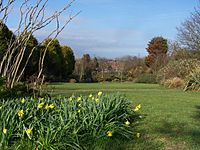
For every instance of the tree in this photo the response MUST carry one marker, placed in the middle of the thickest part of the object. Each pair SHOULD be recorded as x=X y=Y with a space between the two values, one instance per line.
x=53 y=59
x=68 y=61
x=157 y=49
x=32 y=18
x=189 y=33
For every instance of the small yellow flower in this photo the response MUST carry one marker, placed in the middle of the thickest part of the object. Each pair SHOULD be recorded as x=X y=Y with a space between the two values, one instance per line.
x=20 y=113
x=79 y=105
x=127 y=123
x=90 y=95
x=40 y=105
x=51 y=106
x=109 y=133
x=46 y=106
x=92 y=98
x=41 y=99
x=23 y=101
x=29 y=131
x=79 y=98
x=100 y=93
x=5 y=130
x=70 y=98
x=97 y=100
x=138 y=135
x=137 y=108
x=79 y=111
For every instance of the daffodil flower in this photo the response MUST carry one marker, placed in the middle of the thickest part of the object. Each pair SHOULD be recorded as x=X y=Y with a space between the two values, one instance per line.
x=46 y=106
x=23 y=101
x=79 y=111
x=79 y=105
x=97 y=100
x=20 y=113
x=138 y=135
x=51 y=106
x=109 y=133
x=100 y=93
x=40 y=105
x=90 y=96
x=127 y=123
x=79 y=98
x=5 y=130
x=29 y=131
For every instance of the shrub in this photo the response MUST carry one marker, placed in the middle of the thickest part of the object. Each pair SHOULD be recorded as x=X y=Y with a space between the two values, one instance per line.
x=193 y=80
x=174 y=83
x=146 y=78
x=179 y=68
x=66 y=123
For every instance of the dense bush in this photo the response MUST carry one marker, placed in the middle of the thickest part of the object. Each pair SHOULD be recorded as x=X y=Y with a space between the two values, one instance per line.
x=179 y=68
x=193 y=80
x=66 y=123
x=146 y=78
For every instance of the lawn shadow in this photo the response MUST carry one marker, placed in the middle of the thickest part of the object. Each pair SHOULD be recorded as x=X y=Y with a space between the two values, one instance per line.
x=182 y=130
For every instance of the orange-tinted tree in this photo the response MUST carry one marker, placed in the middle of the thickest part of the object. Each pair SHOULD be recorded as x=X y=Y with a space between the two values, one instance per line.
x=157 y=49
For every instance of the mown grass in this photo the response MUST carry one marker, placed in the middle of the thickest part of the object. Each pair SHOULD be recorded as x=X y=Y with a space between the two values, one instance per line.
x=172 y=117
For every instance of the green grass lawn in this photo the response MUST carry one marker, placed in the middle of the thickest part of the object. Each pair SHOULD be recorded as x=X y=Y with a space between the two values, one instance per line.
x=172 y=117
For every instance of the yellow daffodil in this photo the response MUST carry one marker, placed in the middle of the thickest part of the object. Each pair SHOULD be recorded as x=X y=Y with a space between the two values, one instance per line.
x=29 y=131
x=41 y=99
x=79 y=98
x=79 y=105
x=127 y=123
x=23 y=101
x=90 y=95
x=5 y=130
x=40 y=105
x=79 y=111
x=109 y=133
x=97 y=100
x=46 y=106
x=20 y=113
x=137 y=108
x=100 y=93
x=138 y=135
x=70 y=98
x=93 y=98
x=51 y=106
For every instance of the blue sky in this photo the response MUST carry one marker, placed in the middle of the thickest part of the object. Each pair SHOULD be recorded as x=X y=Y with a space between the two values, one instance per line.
x=114 y=28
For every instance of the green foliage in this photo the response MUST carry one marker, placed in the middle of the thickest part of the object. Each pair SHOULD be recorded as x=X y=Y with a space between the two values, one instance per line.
x=66 y=123
x=178 y=68
x=146 y=78
x=5 y=37
x=68 y=61
x=193 y=80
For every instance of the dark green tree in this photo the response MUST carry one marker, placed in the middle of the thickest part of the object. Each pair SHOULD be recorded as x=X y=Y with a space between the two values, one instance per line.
x=68 y=61
x=5 y=37
x=53 y=60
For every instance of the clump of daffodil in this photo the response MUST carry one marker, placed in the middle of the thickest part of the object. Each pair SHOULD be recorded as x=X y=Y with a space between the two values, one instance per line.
x=5 y=130
x=127 y=123
x=100 y=93
x=29 y=131
x=109 y=133
x=138 y=135
x=137 y=108
x=40 y=105
x=23 y=101
x=79 y=99
x=90 y=96
x=20 y=113
x=51 y=106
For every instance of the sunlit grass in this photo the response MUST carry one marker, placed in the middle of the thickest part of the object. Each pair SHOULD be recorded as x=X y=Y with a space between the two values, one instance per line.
x=172 y=116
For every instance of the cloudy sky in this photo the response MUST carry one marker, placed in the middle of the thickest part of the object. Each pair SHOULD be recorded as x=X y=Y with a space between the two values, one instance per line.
x=114 y=28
